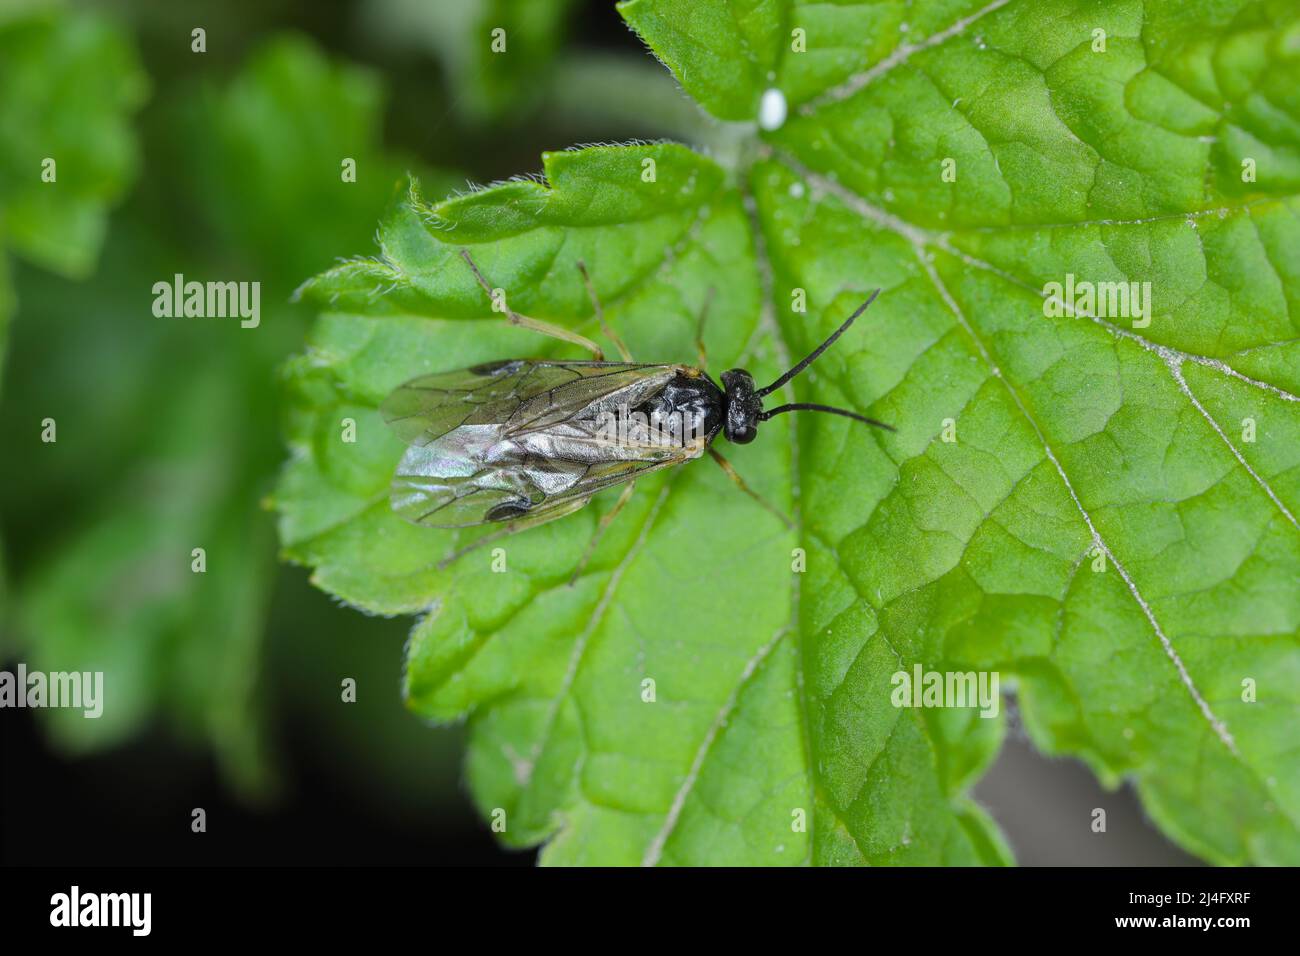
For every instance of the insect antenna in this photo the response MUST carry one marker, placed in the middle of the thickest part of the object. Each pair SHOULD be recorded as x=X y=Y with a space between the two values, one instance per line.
x=813 y=407
x=816 y=352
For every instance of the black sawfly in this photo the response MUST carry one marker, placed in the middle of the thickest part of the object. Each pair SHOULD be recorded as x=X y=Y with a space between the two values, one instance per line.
x=526 y=441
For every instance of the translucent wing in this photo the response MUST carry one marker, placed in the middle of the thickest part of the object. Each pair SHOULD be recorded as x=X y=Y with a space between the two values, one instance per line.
x=521 y=440
x=497 y=494
x=514 y=394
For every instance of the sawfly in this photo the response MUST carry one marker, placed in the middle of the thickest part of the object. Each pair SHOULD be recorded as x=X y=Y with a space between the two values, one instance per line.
x=524 y=441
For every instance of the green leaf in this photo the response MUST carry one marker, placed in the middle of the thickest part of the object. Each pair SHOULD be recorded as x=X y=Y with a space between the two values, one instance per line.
x=1101 y=513
x=724 y=53
x=71 y=82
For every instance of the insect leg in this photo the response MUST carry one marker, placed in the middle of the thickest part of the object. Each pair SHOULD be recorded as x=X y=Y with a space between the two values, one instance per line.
x=740 y=483
x=536 y=325
x=605 y=520
x=699 y=331
x=613 y=336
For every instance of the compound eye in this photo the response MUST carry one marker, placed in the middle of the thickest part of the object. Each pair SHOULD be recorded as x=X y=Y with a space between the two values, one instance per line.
x=742 y=435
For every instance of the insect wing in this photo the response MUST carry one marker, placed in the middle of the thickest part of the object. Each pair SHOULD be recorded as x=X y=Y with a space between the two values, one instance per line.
x=515 y=393
x=539 y=488
x=516 y=439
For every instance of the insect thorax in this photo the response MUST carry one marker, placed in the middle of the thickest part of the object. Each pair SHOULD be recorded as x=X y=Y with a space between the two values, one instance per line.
x=689 y=408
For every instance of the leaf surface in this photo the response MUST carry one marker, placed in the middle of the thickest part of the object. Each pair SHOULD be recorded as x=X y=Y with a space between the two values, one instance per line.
x=1097 y=507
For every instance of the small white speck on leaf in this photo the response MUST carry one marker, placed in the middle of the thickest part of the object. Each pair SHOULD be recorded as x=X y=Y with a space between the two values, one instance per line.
x=772 y=109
